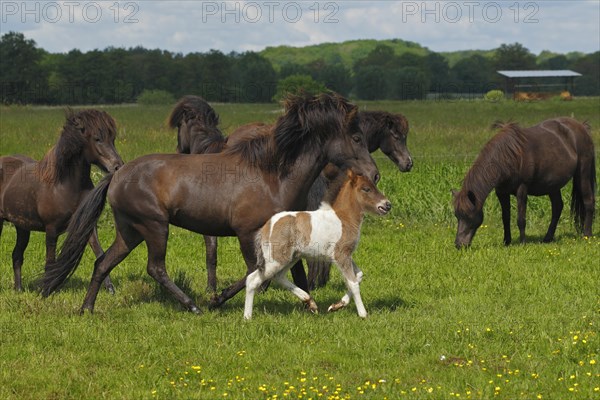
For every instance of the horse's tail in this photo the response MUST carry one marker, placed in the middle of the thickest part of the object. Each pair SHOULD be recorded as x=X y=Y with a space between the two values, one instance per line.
x=577 y=205
x=80 y=228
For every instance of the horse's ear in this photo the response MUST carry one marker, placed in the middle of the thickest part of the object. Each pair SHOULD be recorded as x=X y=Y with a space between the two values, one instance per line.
x=74 y=120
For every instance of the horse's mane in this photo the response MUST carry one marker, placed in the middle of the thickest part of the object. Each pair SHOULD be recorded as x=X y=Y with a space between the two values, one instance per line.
x=197 y=123
x=501 y=156
x=375 y=123
x=59 y=160
x=193 y=107
x=334 y=185
x=308 y=122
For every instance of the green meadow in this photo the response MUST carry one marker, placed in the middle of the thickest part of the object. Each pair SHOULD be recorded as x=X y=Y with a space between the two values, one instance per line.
x=489 y=322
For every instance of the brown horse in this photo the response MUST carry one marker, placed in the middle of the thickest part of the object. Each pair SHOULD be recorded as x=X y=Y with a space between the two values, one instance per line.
x=232 y=193
x=536 y=161
x=196 y=124
x=42 y=196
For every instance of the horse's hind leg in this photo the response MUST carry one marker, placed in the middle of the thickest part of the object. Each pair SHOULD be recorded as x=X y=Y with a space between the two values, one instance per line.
x=557 y=207
x=124 y=243
x=156 y=235
x=282 y=279
x=17 y=256
x=97 y=249
x=211 y=263
x=318 y=273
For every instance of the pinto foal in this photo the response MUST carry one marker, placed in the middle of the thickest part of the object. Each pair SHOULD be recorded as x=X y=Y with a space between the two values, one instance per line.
x=330 y=233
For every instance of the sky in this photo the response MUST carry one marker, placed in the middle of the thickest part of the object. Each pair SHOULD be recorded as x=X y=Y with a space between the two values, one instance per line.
x=199 y=26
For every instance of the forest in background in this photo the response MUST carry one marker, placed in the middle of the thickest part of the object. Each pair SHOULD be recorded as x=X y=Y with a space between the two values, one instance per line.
x=361 y=69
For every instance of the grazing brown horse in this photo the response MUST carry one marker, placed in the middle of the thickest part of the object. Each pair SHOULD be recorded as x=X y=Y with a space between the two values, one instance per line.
x=42 y=196
x=196 y=125
x=232 y=193
x=536 y=161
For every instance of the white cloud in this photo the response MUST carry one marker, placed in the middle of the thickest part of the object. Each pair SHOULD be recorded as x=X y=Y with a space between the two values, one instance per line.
x=189 y=26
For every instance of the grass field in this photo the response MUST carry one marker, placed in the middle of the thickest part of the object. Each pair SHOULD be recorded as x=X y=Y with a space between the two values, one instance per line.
x=491 y=322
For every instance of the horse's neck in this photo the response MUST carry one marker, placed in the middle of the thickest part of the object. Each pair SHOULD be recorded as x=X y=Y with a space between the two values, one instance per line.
x=294 y=187
x=484 y=176
x=348 y=209
x=74 y=171
x=372 y=135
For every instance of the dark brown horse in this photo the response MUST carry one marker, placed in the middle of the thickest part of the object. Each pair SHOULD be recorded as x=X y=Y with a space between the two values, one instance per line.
x=232 y=193
x=42 y=196
x=197 y=129
x=536 y=161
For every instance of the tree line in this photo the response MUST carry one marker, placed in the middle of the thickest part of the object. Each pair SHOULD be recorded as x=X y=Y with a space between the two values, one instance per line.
x=29 y=74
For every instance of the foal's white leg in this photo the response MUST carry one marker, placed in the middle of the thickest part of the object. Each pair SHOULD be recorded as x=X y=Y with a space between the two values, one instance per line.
x=346 y=298
x=282 y=279
x=253 y=282
x=348 y=269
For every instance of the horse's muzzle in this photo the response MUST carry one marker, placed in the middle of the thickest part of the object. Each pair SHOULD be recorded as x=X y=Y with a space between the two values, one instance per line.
x=384 y=207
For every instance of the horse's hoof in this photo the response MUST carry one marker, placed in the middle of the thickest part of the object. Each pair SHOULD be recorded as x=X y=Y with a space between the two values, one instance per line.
x=336 y=306
x=195 y=310
x=111 y=290
x=86 y=310
x=548 y=240
x=214 y=302
x=312 y=306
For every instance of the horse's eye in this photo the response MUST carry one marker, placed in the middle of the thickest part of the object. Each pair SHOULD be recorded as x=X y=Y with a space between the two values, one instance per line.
x=366 y=189
x=356 y=138
x=98 y=140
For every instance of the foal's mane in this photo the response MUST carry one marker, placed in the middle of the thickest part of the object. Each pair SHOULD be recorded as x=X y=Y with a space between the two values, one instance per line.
x=375 y=123
x=307 y=124
x=501 y=156
x=60 y=159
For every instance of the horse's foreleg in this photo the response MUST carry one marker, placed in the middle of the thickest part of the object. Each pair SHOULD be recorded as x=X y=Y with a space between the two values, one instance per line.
x=156 y=234
x=17 y=256
x=346 y=298
x=94 y=243
x=347 y=267
x=557 y=207
x=504 y=199
x=211 y=263
x=521 y=211
x=248 y=251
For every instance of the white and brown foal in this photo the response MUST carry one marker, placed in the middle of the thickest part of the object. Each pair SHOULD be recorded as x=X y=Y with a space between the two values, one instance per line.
x=330 y=233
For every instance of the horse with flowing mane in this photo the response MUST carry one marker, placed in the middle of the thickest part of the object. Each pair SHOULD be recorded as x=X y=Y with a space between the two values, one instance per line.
x=197 y=129
x=535 y=161
x=42 y=196
x=231 y=193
